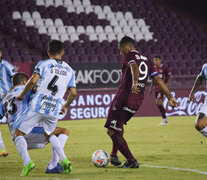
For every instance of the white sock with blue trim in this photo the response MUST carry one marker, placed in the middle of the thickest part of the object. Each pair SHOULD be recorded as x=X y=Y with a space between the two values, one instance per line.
x=21 y=145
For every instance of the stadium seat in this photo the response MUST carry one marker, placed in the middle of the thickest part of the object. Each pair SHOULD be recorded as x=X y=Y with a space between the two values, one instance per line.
x=52 y=30
x=88 y=9
x=26 y=15
x=58 y=22
x=58 y=3
x=29 y=22
x=16 y=15
x=77 y=3
x=42 y=30
x=67 y=3
x=86 y=3
x=61 y=30
x=79 y=9
x=99 y=29
x=71 y=30
x=74 y=37
x=90 y=30
x=93 y=37
x=49 y=3
x=80 y=30
x=39 y=22
x=55 y=36
x=70 y=9
x=49 y=22
x=119 y=15
x=128 y=16
x=40 y=2
x=36 y=15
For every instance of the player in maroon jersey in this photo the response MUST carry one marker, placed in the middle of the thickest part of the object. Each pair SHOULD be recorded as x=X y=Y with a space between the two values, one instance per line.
x=136 y=69
x=166 y=76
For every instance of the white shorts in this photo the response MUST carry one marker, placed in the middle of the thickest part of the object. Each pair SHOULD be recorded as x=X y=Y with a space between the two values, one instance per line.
x=204 y=109
x=29 y=119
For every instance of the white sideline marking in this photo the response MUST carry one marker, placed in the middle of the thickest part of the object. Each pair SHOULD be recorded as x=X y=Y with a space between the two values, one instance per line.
x=175 y=168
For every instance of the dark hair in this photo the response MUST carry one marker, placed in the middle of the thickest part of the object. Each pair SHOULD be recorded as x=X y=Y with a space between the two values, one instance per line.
x=0 y=50
x=126 y=40
x=18 y=78
x=157 y=57
x=55 y=47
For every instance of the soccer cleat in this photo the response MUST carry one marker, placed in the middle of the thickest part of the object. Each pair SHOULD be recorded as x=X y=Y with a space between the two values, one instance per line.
x=164 y=123
x=133 y=164
x=28 y=168
x=56 y=170
x=66 y=166
x=3 y=153
x=115 y=160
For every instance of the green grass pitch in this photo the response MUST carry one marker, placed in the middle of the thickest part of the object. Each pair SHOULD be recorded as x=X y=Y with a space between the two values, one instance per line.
x=177 y=145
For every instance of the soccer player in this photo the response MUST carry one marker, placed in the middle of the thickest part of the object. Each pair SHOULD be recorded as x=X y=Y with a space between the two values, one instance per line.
x=53 y=77
x=6 y=72
x=166 y=76
x=36 y=139
x=135 y=71
x=201 y=119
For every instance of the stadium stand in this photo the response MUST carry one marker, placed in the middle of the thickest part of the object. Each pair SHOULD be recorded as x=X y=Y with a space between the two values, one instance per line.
x=91 y=30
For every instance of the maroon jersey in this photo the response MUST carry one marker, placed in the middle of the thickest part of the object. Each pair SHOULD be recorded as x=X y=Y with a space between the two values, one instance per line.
x=164 y=75
x=124 y=96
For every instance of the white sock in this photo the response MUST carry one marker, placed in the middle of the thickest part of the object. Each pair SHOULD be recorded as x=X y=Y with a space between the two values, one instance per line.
x=57 y=147
x=55 y=159
x=164 y=120
x=204 y=131
x=21 y=145
x=1 y=143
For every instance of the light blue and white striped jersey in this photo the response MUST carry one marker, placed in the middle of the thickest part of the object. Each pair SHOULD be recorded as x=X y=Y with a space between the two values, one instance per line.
x=12 y=108
x=56 y=77
x=6 y=72
x=204 y=71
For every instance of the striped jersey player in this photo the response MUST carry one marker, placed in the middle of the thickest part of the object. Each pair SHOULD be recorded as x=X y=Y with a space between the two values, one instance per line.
x=6 y=72
x=54 y=77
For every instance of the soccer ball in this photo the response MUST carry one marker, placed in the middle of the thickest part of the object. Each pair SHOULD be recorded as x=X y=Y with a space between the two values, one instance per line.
x=100 y=158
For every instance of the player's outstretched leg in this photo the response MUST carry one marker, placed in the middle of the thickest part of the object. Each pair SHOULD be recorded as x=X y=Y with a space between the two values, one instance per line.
x=162 y=111
x=54 y=166
x=120 y=142
x=21 y=145
x=66 y=164
x=3 y=152
x=201 y=123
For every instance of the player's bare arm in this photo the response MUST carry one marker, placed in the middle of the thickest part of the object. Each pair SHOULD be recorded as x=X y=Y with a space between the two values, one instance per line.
x=172 y=102
x=71 y=97
x=31 y=82
x=169 y=80
x=196 y=85
x=135 y=77
x=151 y=86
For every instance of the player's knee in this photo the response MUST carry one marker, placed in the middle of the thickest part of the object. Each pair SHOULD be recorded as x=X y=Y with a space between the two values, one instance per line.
x=201 y=121
x=110 y=132
x=65 y=131
x=17 y=133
